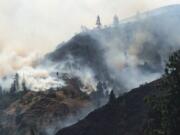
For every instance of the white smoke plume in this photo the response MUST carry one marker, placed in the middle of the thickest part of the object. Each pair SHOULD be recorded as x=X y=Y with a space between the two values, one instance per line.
x=136 y=51
x=13 y=62
x=72 y=69
x=132 y=53
x=39 y=79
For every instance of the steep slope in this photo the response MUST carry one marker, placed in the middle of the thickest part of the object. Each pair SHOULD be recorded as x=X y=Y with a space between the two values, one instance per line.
x=138 y=48
x=82 y=52
x=44 y=112
x=122 y=57
x=125 y=116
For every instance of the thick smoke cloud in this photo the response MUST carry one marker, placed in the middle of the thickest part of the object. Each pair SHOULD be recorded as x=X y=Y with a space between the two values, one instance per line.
x=129 y=54
x=41 y=24
x=122 y=56
x=39 y=79
x=72 y=68
x=13 y=62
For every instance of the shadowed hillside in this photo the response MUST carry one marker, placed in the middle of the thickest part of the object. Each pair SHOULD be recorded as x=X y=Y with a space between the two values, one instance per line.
x=125 y=116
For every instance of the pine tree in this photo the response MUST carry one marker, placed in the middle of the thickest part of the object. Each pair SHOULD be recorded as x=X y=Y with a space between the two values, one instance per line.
x=112 y=97
x=16 y=81
x=100 y=89
x=15 y=85
x=172 y=73
x=164 y=115
x=98 y=22
x=24 y=87
x=1 y=91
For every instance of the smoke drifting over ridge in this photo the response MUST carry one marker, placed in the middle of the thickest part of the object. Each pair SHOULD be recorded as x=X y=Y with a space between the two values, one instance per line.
x=129 y=54
x=124 y=56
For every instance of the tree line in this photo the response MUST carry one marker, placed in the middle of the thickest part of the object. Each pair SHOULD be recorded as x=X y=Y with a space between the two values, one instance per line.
x=164 y=113
x=15 y=86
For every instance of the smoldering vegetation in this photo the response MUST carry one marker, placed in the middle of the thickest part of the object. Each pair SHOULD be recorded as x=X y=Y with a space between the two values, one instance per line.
x=118 y=57
x=123 y=55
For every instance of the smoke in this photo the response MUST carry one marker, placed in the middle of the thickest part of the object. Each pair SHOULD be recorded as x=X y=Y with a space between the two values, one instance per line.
x=141 y=47
x=70 y=120
x=38 y=24
x=27 y=65
x=39 y=79
x=72 y=68
x=13 y=62
x=123 y=56
x=131 y=61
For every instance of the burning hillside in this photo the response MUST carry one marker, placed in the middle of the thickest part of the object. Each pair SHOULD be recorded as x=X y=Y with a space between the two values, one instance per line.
x=81 y=72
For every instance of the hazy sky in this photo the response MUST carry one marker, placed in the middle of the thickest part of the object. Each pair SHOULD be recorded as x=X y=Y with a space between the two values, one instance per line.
x=39 y=25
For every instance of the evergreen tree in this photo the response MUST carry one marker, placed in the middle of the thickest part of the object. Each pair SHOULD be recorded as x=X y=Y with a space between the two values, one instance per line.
x=99 y=94
x=24 y=87
x=12 y=89
x=1 y=91
x=172 y=73
x=16 y=81
x=100 y=89
x=98 y=22
x=15 y=85
x=112 y=97
x=164 y=115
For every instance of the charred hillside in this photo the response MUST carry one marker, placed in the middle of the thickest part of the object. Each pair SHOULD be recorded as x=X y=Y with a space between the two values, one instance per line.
x=125 y=116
